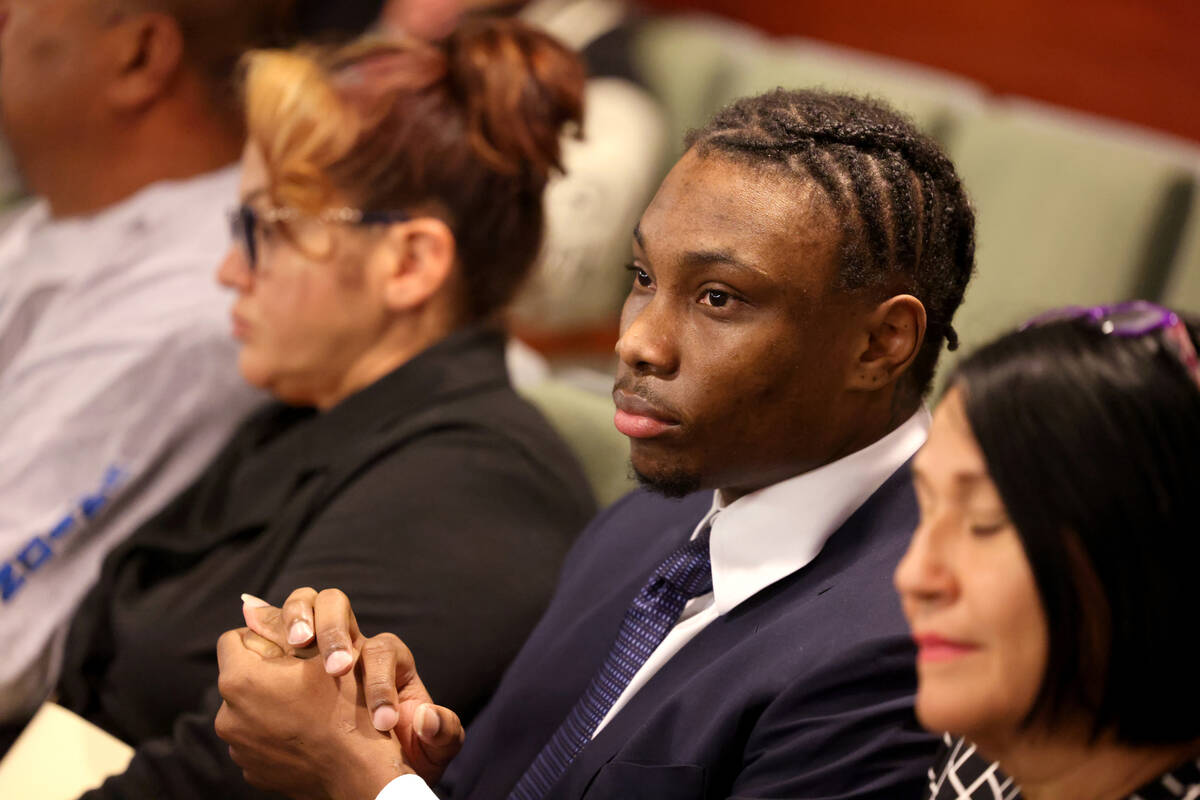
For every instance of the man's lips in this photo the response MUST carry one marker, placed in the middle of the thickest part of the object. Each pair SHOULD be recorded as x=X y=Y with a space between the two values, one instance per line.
x=934 y=648
x=638 y=418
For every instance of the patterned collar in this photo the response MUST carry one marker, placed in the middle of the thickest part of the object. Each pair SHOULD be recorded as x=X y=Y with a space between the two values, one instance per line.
x=1181 y=783
x=960 y=773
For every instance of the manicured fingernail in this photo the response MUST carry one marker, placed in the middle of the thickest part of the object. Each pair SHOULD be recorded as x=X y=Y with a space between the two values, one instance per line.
x=427 y=722
x=254 y=602
x=300 y=632
x=385 y=718
x=337 y=661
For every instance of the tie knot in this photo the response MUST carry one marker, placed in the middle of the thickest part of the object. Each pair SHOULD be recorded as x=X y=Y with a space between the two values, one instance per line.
x=688 y=569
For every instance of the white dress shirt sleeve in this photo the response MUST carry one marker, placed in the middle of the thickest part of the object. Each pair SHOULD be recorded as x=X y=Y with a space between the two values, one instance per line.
x=406 y=787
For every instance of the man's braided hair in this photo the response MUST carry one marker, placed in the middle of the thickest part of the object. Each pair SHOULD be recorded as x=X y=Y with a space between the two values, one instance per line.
x=907 y=226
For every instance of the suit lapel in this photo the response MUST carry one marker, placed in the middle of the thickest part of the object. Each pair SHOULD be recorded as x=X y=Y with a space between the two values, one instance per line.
x=787 y=596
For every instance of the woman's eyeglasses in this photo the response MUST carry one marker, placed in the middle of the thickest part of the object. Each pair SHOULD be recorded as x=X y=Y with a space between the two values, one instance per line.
x=1130 y=320
x=244 y=222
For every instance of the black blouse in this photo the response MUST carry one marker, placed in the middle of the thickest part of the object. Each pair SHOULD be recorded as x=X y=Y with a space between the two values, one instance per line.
x=436 y=498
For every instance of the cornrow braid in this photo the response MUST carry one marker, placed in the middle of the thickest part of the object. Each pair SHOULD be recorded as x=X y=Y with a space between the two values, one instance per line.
x=906 y=223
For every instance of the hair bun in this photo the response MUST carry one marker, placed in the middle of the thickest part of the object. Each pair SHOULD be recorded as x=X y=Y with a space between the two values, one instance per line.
x=520 y=87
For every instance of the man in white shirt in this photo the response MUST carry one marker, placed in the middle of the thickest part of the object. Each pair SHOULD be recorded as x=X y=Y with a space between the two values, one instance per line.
x=118 y=375
x=733 y=631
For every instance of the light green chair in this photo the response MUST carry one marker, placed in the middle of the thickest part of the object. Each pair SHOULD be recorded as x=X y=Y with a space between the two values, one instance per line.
x=1183 y=284
x=1069 y=211
x=933 y=99
x=585 y=422
x=697 y=64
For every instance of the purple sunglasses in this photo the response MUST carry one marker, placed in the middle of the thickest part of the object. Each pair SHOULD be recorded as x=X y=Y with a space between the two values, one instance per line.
x=1130 y=320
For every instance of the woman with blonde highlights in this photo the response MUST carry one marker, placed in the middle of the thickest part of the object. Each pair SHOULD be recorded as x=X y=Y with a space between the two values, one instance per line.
x=391 y=203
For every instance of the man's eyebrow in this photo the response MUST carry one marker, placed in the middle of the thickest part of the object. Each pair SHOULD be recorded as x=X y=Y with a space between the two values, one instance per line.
x=702 y=258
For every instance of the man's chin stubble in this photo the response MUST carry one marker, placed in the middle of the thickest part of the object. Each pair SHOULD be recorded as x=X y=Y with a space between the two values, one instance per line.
x=672 y=484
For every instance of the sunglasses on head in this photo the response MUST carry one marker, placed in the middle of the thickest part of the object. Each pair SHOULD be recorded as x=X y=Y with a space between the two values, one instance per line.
x=244 y=222
x=1131 y=320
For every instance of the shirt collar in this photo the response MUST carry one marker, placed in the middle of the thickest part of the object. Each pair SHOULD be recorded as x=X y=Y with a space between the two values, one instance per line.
x=767 y=535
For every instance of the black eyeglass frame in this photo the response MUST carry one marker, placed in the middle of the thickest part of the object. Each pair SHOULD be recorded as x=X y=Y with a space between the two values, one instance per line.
x=245 y=219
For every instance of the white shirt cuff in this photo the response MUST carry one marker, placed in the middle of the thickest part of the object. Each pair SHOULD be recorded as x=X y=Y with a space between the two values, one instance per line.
x=406 y=787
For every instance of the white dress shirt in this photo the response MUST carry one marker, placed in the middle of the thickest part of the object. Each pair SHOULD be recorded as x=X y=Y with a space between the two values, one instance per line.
x=755 y=541
x=118 y=382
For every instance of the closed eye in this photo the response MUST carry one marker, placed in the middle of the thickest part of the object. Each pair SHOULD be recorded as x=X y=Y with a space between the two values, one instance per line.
x=989 y=528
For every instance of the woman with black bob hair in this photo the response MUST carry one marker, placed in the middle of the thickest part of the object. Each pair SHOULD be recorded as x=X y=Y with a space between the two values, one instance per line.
x=1051 y=585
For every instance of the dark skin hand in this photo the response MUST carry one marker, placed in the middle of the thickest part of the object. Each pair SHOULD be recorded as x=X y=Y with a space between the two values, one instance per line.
x=296 y=728
x=293 y=729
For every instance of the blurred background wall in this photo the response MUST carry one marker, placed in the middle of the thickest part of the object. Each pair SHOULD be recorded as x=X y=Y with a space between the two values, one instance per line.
x=1134 y=60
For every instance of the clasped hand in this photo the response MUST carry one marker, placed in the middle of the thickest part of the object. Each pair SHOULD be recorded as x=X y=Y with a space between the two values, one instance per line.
x=338 y=725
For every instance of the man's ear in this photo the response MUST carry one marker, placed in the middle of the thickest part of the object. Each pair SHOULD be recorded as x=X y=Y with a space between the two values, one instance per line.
x=148 y=54
x=894 y=332
x=417 y=261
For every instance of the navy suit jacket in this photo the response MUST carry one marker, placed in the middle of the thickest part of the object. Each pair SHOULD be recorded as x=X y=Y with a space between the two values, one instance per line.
x=803 y=691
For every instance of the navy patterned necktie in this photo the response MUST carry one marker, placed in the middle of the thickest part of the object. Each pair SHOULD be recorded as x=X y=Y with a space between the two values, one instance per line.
x=684 y=574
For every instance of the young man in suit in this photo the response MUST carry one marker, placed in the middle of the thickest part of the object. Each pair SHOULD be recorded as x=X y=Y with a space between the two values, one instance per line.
x=793 y=282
